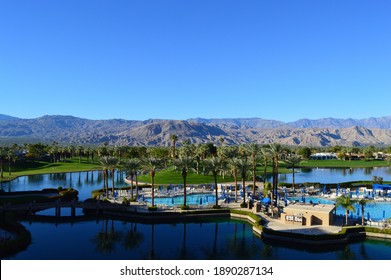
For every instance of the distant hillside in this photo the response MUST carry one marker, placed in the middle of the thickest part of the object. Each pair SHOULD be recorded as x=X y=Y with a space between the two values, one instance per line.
x=6 y=118
x=383 y=123
x=69 y=129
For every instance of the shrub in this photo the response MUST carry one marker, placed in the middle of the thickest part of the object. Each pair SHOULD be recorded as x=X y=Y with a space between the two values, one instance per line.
x=216 y=206
x=183 y=207
x=152 y=208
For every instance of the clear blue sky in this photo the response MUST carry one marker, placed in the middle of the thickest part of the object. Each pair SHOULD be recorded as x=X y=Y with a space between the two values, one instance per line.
x=177 y=59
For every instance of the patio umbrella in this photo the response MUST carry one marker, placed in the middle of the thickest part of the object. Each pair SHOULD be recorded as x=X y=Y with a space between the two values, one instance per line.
x=357 y=192
x=172 y=201
x=384 y=214
x=324 y=189
x=230 y=187
x=368 y=216
x=200 y=200
x=350 y=194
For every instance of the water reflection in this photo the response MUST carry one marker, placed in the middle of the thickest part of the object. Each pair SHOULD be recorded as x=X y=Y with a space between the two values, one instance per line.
x=222 y=239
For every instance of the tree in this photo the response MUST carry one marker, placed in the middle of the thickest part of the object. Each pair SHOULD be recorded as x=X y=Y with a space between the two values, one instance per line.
x=132 y=166
x=234 y=167
x=305 y=152
x=174 y=139
x=79 y=151
x=184 y=164
x=254 y=150
x=265 y=156
x=107 y=164
x=363 y=202
x=293 y=161
x=151 y=165
x=214 y=165
x=275 y=150
x=243 y=166
x=346 y=203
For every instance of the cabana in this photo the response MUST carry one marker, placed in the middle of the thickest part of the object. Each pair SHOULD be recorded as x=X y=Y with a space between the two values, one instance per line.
x=384 y=189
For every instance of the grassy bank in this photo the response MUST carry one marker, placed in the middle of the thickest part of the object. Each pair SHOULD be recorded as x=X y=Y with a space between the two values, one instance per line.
x=335 y=163
x=41 y=167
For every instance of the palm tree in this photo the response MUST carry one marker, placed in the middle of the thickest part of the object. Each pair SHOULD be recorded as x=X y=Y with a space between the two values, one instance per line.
x=3 y=153
x=174 y=139
x=275 y=150
x=234 y=167
x=151 y=165
x=184 y=164
x=254 y=150
x=293 y=161
x=214 y=165
x=131 y=166
x=107 y=163
x=243 y=166
x=265 y=155
x=79 y=151
x=347 y=204
x=363 y=202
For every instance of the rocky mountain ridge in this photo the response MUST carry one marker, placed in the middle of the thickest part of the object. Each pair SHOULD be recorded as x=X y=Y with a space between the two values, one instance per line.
x=155 y=132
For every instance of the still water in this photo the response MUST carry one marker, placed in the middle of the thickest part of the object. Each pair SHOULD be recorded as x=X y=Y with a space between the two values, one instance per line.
x=205 y=239
x=336 y=175
x=85 y=182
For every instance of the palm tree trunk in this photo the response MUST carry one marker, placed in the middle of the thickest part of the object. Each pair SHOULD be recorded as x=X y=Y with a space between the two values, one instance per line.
x=236 y=186
x=112 y=180
x=244 y=187
x=217 y=197
x=184 y=190
x=153 y=189
x=136 y=186
x=131 y=186
x=362 y=215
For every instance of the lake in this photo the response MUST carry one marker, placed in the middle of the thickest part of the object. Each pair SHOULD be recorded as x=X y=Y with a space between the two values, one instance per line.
x=221 y=239
x=85 y=182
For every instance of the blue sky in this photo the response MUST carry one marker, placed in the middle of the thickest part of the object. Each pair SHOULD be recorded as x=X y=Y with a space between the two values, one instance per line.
x=176 y=59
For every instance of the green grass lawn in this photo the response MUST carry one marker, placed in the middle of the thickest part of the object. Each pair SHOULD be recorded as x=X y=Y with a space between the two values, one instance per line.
x=40 y=167
x=335 y=163
x=169 y=175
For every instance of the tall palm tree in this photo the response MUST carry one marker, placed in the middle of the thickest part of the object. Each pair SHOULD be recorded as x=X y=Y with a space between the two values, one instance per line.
x=151 y=165
x=132 y=166
x=275 y=149
x=174 y=139
x=293 y=161
x=254 y=150
x=79 y=151
x=243 y=167
x=363 y=202
x=184 y=164
x=107 y=164
x=346 y=203
x=234 y=167
x=265 y=156
x=214 y=165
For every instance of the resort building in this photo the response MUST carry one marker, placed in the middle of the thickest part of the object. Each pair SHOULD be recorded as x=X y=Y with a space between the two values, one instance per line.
x=308 y=214
x=323 y=156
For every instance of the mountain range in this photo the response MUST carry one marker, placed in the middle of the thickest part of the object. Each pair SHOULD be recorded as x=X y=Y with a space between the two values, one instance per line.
x=156 y=132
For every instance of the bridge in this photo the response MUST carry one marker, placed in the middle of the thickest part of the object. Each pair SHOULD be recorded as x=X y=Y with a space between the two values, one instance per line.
x=31 y=208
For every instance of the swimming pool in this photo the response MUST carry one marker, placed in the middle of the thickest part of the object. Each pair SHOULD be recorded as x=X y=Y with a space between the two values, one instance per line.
x=191 y=199
x=377 y=210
